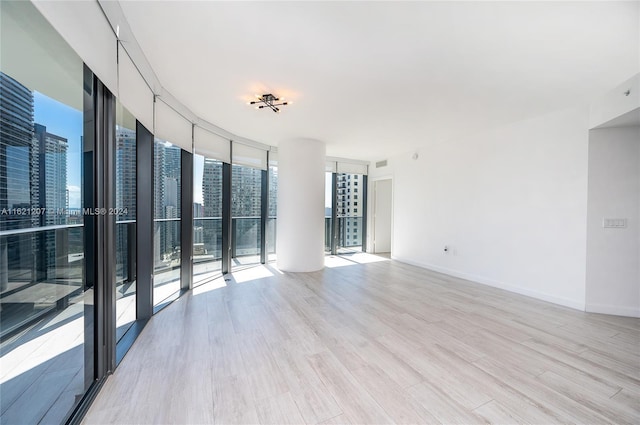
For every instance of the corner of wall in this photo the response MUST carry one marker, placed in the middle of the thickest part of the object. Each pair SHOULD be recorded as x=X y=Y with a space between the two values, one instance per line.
x=620 y=100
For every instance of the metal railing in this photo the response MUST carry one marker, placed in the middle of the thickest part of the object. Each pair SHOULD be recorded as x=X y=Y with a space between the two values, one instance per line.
x=349 y=232
x=41 y=269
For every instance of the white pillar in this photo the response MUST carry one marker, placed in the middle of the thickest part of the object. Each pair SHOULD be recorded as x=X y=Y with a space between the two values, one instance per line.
x=300 y=234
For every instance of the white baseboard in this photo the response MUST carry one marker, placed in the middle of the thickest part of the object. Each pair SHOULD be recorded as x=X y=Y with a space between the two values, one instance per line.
x=613 y=309
x=575 y=304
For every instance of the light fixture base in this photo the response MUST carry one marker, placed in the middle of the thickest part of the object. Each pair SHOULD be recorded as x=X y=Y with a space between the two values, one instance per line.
x=269 y=100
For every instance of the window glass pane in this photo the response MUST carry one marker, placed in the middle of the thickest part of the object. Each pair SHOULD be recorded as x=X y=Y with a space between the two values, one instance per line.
x=246 y=187
x=166 y=240
x=207 y=218
x=328 y=207
x=125 y=220
x=349 y=220
x=273 y=211
x=46 y=323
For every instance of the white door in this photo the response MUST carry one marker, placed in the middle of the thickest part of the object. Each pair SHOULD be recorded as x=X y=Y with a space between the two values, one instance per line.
x=382 y=216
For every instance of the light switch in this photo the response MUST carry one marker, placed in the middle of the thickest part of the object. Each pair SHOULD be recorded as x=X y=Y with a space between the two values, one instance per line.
x=614 y=223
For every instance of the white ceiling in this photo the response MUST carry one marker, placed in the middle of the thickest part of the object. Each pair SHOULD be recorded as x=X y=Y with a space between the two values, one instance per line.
x=375 y=78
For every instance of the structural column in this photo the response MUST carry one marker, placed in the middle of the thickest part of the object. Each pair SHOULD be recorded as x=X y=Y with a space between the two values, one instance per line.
x=300 y=230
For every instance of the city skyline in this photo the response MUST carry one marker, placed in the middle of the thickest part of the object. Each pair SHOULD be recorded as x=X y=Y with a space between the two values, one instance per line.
x=65 y=121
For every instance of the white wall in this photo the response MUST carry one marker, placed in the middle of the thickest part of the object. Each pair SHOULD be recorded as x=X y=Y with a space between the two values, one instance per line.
x=511 y=205
x=613 y=255
x=615 y=102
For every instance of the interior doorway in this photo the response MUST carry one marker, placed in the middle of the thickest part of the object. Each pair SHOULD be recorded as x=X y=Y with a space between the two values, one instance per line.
x=382 y=215
x=613 y=217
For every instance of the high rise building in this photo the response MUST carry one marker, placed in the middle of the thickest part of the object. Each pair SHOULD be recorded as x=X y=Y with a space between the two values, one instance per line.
x=52 y=176
x=198 y=210
x=167 y=178
x=246 y=194
x=212 y=207
x=125 y=202
x=126 y=172
x=349 y=209
x=167 y=193
x=273 y=191
x=18 y=179
x=52 y=180
x=212 y=187
x=18 y=154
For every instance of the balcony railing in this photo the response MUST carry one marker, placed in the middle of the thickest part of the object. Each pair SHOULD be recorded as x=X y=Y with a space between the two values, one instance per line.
x=207 y=239
x=41 y=269
x=349 y=232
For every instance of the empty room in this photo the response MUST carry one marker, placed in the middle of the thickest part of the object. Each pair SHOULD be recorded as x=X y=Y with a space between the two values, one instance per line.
x=319 y=212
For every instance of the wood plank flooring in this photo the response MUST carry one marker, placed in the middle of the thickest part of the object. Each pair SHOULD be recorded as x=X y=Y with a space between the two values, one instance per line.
x=370 y=340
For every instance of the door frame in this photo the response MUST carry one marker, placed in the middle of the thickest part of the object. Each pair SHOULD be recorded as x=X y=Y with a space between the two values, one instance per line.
x=372 y=207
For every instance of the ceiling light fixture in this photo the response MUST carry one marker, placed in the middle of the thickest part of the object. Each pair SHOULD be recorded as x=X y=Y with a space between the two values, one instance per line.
x=269 y=101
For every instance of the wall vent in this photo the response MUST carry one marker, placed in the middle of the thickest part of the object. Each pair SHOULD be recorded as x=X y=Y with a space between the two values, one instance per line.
x=381 y=164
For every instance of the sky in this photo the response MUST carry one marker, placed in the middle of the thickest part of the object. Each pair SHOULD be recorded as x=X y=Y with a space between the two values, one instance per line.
x=64 y=121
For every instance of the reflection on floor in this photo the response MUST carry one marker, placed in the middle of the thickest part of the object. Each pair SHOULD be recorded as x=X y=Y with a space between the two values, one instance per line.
x=42 y=374
x=372 y=341
x=165 y=285
x=125 y=308
x=24 y=303
x=206 y=271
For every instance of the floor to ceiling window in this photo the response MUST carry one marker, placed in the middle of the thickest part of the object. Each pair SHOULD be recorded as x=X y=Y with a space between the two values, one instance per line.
x=246 y=204
x=207 y=218
x=273 y=209
x=350 y=209
x=46 y=304
x=125 y=215
x=328 y=209
x=166 y=241
x=345 y=207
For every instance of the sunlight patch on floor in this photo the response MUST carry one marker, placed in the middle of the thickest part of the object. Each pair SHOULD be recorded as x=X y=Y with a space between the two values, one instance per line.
x=210 y=286
x=364 y=258
x=42 y=349
x=335 y=261
x=253 y=273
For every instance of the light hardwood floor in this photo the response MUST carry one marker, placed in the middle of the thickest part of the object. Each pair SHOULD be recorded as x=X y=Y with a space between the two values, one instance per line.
x=369 y=340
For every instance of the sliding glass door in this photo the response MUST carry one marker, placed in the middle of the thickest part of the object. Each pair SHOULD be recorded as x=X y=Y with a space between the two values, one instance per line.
x=46 y=302
x=125 y=216
x=350 y=209
x=166 y=241
x=345 y=208
x=246 y=206
x=207 y=218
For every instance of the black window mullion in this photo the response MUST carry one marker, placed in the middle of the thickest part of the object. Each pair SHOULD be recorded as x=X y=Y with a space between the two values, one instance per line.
x=104 y=225
x=144 y=226
x=365 y=188
x=226 y=218
x=186 y=220
x=334 y=213
x=264 y=213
